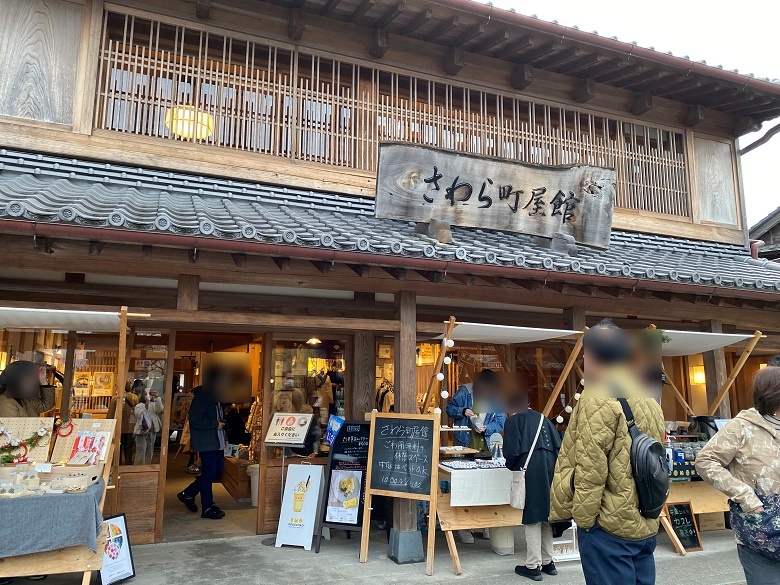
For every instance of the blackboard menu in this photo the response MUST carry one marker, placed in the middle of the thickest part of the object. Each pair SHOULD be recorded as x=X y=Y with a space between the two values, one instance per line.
x=345 y=480
x=402 y=455
x=684 y=525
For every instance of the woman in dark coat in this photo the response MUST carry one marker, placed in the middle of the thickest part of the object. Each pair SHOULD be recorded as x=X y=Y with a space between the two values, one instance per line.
x=519 y=433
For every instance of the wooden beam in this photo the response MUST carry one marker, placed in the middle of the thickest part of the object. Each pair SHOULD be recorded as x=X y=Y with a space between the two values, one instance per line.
x=624 y=72
x=420 y=20
x=75 y=278
x=745 y=125
x=95 y=247
x=643 y=103
x=464 y=279
x=694 y=115
x=584 y=91
x=192 y=255
x=575 y=352
x=362 y=270
x=444 y=27
x=379 y=44
x=522 y=45
x=267 y=387
x=431 y=276
x=203 y=9
x=295 y=26
x=573 y=67
x=491 y=41
x=188 y=292
x=541 y=51
x=469 y=35
x=522 y=76
x=361 y=10
x=438 y=365
x=239 y=260
x=328 y=9
x=454 y=62
x=323 y=267
x=604 y=67
x=282 y=264
x=559 y=58
x=392 y=13
x=397 y=273
x=43 y=245
x=166 y=430
x=146 y=251
x=734 y=373
x=641 y=78
x=67 y=382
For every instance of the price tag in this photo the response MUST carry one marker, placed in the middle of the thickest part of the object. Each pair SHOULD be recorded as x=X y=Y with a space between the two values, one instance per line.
x=43 y=467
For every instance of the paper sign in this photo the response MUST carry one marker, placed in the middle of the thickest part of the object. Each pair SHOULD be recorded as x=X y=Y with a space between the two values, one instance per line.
x=288 y=429
x=302 y=497
x=43 y=467
x=117 y=556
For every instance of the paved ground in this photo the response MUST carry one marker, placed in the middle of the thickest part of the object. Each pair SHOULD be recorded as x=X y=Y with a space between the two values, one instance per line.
x=247 y=561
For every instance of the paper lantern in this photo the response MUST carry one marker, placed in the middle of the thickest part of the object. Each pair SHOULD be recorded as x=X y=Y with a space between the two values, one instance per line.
x=189 y=122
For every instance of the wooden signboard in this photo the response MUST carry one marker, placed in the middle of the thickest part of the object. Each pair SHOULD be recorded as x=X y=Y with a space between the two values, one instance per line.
x=403 y=462
x=345 y=480
x=422 y=184
x=683 y=522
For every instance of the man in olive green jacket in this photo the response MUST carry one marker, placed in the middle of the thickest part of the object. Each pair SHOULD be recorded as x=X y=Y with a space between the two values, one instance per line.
x=593 y=482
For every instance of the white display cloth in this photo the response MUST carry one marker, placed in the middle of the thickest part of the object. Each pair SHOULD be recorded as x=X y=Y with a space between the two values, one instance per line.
x=24 y=318
x=505 y=334
x=693 y=342
x=478 y=487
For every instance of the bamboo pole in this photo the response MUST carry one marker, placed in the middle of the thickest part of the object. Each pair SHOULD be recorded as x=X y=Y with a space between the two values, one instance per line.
x=735 y=372
x=575 y=352
x=439 y=363
x=678 y=394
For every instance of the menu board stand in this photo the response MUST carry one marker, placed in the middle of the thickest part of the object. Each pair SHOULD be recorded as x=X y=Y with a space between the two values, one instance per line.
x=679 y=521
x=403 y=462
x=347 y=461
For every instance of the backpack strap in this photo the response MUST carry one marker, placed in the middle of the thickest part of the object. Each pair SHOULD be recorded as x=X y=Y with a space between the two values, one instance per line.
x=627 y=412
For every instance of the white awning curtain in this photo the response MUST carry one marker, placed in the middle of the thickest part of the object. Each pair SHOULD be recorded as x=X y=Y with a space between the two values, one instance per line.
x=505 y=334
x=96 y=321
x=693 y=342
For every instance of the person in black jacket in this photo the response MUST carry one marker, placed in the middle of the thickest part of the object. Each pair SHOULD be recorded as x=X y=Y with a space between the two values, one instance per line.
x=519 y=433
x=207 y=437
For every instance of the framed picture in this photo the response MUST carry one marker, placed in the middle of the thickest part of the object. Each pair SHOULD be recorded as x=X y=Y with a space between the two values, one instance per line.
x=81 y=383
x=385 y=351
x=426 y=354
x=117 y=556
x=103 y=384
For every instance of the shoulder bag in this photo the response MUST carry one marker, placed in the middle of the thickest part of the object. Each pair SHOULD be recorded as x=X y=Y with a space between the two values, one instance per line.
x=517 y=493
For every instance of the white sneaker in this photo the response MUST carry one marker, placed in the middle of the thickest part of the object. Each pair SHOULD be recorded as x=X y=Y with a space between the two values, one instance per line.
x=466 y=536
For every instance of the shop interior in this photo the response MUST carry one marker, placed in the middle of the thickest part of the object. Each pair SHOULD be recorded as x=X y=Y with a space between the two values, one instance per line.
x=310 y=373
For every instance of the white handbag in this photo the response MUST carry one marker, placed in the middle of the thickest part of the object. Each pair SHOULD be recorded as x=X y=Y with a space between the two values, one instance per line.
x=517 y=493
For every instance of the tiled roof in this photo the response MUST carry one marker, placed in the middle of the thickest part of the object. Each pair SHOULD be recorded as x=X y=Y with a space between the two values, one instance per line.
x=46 y=188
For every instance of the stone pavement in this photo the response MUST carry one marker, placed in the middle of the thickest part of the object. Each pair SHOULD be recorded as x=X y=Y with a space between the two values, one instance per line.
x=247 y=561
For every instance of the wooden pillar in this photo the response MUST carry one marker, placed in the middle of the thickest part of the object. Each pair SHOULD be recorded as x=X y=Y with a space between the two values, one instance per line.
x=405 y=511
x=166 y=430
x=574 y=318
x=267 y=390
x=188 y=292
x=363 y=374
x=67 y=383
x=715 y=370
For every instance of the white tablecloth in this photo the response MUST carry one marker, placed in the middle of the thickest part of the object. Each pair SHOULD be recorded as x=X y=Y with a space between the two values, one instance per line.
x=479 y=487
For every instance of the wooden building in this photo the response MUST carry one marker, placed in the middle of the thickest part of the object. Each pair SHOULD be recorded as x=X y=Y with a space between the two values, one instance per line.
x=212 y=165
x=768 y=231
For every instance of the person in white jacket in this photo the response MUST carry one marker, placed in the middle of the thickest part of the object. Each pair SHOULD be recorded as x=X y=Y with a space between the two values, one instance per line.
x=147 y=427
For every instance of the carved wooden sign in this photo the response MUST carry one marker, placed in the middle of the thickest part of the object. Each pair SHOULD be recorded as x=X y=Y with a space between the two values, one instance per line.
x=421 y=184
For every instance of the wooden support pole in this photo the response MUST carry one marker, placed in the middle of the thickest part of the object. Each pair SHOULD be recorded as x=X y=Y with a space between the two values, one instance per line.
x=187 y=292
x=715 y=370
x=67 y=383
x=735 y=372
x=267 y=389
x=122 y=362
x=433 y=382
x=166 y=429
x=575 y=352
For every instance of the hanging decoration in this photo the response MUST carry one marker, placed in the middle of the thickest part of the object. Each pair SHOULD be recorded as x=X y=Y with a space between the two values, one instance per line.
x=15 y=450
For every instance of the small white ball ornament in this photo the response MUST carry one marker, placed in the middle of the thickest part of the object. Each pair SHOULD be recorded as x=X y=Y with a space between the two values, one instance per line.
x=447 y=360
x=559 y=419
x=437 y=410
x=450 y=343
x=440 y=376
x=577 y=396
x=445 y=394
x=568 y=409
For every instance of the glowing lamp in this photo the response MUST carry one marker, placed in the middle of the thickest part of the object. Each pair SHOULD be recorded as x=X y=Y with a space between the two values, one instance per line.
x=189 y=122
x=697 y=375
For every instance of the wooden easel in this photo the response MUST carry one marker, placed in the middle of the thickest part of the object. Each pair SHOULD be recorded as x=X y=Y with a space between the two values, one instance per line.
x=430 y=497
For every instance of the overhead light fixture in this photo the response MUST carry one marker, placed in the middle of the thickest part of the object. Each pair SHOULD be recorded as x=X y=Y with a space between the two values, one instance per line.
x=189 y=122
x=313 y=341
x=697 y=375
x=762 y=366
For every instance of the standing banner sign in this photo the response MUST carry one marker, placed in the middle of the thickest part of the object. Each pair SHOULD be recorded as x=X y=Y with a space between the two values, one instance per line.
x=403 y=462
x=345 y=480
x=117 y=556
x=301 y=501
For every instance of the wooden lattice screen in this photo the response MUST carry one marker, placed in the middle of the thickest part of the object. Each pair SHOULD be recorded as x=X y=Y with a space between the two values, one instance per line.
x=267 y=98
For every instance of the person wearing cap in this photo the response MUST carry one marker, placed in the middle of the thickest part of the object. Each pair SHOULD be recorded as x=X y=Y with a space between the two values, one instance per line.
x=593 y=482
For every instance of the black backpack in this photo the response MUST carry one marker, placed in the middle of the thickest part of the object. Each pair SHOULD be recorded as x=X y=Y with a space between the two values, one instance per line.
x=649 y=467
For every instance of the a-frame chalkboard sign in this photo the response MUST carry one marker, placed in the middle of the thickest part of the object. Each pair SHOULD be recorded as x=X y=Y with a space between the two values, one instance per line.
x=345 y=481
x=403 y=462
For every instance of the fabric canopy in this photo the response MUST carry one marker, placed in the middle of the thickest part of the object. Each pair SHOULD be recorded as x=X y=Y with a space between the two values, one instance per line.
x=505 y=334
x=693 y=342
x=20 y=318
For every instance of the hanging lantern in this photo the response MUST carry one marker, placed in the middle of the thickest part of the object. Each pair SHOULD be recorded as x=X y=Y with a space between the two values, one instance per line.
x=189 y=122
